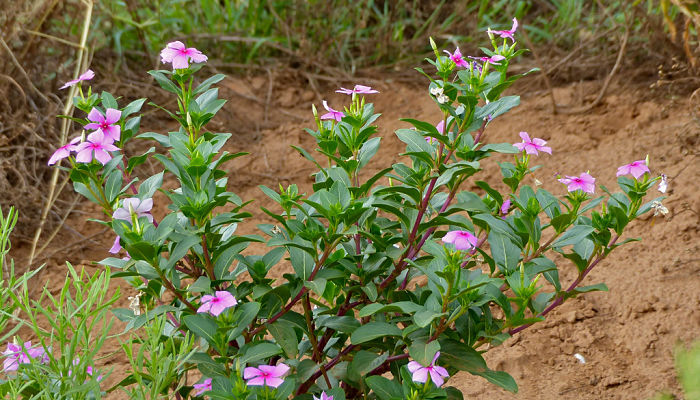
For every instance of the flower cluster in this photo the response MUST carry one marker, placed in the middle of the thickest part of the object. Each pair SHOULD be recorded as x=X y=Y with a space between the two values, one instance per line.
x=22 y=354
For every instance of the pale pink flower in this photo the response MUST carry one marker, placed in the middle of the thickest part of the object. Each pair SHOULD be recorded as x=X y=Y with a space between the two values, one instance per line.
x=490 y=60
x=90 y=370
x=506 y=34
x=583 y=182
x=115 y=246
x=265 y=375
x=108 y=125
x=216 y=304
x=457 y=58
x=200 y=388
x=180 y=56
x=359 y=89
x=16 y=354
x=462 y=240
x=97 y=146
x=435 y=373
x=323 y=396
x=636 y=169
x=64 y=151
x=332 y=114
x=440 y=128
x=532 y=146
x=86 y=76
x=142 y=208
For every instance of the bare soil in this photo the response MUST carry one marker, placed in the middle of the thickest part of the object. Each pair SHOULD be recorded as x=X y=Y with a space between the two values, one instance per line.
x=627 y=336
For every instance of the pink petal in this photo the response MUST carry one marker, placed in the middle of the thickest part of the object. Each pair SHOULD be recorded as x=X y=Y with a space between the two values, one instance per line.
x=435 y=357
x=205 y=307
x=251 y=372
x=95 y=116
x=84 y=156
x=113 y=115
x=67 y=85
x=421 y=375
x=436 y=378
x=525 y=137
x=102 y=156
x=180 y=62
x=145 y=206
x=515 y=25
x=59 y=154
x=280 y=370
x=450 y=237
x=257 y=381
x=87 y=75
x=274 y=382
x=197 y=56
x=413 y=366
x=441 y=127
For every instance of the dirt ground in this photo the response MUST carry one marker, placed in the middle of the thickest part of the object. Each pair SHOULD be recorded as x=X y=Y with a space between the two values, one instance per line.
x=627 y=335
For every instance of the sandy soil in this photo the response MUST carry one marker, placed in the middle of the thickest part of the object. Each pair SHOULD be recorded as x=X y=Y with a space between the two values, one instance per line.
x=627 y=335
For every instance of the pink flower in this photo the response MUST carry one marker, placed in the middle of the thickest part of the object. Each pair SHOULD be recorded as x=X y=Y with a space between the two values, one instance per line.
x=420 y=373
x=115 y=246
x=532 y=146
x=491 y=60
x=457 y=58
x=89 y=371
x=462 y=240
x=133 y=205
x=636 y=169
x=506 y=34
x=505 y=207
x=216 y=304
x=86 y=76
x=331 y=114
x=265 y=375
x=205 y=386
x=180 y=56
x=64 y=151
x=15 y=355
x=97 y=146
x=360 y=89
x=323 y=396
x=583 y=182
x=106 y=124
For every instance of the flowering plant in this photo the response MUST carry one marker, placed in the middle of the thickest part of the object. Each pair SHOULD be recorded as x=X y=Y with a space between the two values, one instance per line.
x=352 y=318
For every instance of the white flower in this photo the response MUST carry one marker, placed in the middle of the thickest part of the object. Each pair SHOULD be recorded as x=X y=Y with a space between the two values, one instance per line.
x=436 y=91
x=658 y=208
x=663 y=185
x=442 y=99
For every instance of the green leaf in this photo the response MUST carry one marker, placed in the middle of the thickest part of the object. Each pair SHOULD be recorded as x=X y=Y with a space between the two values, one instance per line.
x=285 y=336
x=150 y=185
x=500 y=378
x=504 y=252
x=318 y=286
x=344 y=324
x=202 y=284
x=164 y=82
x=302 y=262
x=407 y=307
x=260 y=351
x=203 y=326
x=424 y=317
x=373 y=330
x=108 y=100
x=573 y=235
x=363 y=362
x=459 y=355
x=414 y=140
x=384 y=388
x=424 y=352
x=367 y=151
x=598 y=287
x=245 y=314
x=204 y=86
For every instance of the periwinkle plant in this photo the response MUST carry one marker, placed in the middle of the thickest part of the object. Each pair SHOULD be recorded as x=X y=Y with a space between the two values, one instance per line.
x=349 y=321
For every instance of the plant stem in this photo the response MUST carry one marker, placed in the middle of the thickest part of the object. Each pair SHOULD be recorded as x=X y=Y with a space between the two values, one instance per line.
x=304 y=387
x=207 y=258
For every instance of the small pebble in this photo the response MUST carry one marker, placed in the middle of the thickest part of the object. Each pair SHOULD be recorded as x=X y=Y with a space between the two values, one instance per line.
x=580 y=358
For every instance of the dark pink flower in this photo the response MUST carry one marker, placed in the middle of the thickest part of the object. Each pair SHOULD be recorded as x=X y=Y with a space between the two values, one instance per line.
x=505 y=207
x=583 y=182
x=216 y=304
x=506 y=34
x=636 y=169
x=332 y=114
x=359 y=89
x=421 y=373
x=440 y=128
x=462 y=240
x=532 y=146
x=457 y=58
x=64 y=151
x=96 y=147
x=86 y=76
x=180 y=56
x=490 y=60
x=200 y=388
x=265 y=375
x=108 y=125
